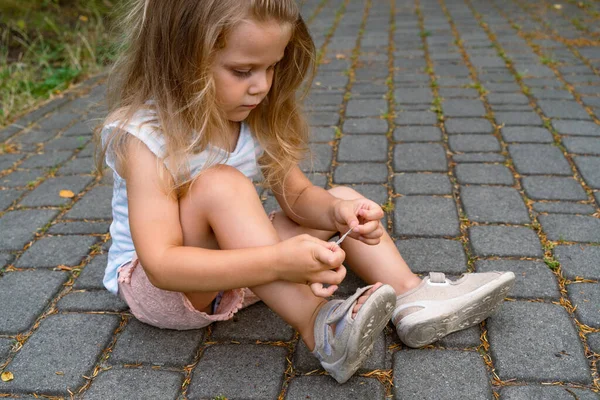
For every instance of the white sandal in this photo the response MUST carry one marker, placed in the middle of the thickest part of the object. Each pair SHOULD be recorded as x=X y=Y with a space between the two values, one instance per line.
x=342 y=353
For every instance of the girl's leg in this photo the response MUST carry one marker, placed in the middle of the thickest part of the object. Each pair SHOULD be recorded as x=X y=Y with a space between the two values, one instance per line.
x=379 y=263
x=223 y=210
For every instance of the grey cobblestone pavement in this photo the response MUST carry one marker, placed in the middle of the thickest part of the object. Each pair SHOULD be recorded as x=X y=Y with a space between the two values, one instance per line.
x=475 y=123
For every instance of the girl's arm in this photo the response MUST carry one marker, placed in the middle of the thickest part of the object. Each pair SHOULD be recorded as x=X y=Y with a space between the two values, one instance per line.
x=158 y=241
x=314 y=207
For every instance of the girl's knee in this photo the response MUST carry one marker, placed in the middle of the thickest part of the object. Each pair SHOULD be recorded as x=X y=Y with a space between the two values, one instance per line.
x=222 y=181
x=345 y=193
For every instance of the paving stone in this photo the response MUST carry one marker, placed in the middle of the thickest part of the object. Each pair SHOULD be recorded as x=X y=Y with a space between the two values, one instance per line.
x=24 y=295
x=563 y=109
x=323 y=118
x=436 y=374
x=582 y=145
x=553 y=188
x=507 y=98
x=487 y=174
x=578 y=260
x=518 y=118
x=88 y=150
x=532 y=392
x=256 y=322
x=319 y=159
x=419 y=157
x=34 y=137
x=365 y=126
x=360 y=173
x=466 y=338
x=582 y=128
x=494 y=204
x=142 y=343
x=586 y=300
x=589 y=167
x=555 y=94
x=376 y=193
x=85 y=127
x=536 y=342
x=319 y=180
x=92 y=274
x=5 y=347
x=413 y=96
x=539 y=159
x=8 y=160
x=416 y=118
x=418 y=134
x=305 y=361
x=466 y=143
x=19 y=227
x=478 y=158
x=67 y=143
x=504 y=87
x=468 y=125
x=322 y=134
x=20 y=178
x=425 y=216
x=593 y=340
x=326 y=388
x=8 y=196
x=48 y=193
x=83 y=301
x=46 y=160
x=47 y=352
x=55 y=251
x=366 y=108
x=572 y=228
x=533 y=279
x=463 y=108
x=262 y=367
x=526 y=134
x=135 y=383
x=450 y=93
x=95 y=204
x=78 y=166
x=5 y=259
x=363 y=148
x=509 y=241
x=409 y=183
x=564 y=207
x=79 y=228
x=433 y=255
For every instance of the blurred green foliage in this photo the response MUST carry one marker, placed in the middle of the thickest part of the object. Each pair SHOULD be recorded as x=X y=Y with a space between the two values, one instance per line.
x=47 y=45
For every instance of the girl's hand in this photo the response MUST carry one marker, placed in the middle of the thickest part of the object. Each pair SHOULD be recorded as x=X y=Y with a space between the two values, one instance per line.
x=311 y=261
x=363 y=216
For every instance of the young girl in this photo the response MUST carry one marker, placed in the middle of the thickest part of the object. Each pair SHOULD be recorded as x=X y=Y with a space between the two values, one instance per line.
x=205 y=97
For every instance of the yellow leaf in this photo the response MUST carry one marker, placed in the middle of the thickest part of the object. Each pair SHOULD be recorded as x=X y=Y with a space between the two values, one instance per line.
x=7 y=376
x=83 y=18
x=340 y=56
x=66 y=194
x=557 y=6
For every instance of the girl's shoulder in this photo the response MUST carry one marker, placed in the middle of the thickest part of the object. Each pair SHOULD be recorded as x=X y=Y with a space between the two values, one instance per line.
x=142 y=123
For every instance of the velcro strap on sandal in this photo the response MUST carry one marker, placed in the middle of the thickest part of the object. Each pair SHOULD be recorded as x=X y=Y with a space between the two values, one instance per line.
x=437 y=277
x=343 y=308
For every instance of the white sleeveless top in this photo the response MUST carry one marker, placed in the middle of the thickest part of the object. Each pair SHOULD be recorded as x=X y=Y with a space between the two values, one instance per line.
x=144 y=126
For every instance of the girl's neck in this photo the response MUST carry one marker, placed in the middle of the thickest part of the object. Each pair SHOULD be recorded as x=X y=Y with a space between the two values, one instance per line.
x=233 y=135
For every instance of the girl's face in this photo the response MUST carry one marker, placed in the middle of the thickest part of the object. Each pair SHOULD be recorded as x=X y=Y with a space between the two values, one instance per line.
x=243 y=70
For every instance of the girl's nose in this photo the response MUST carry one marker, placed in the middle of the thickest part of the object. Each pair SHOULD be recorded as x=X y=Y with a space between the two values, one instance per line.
x=260 y=84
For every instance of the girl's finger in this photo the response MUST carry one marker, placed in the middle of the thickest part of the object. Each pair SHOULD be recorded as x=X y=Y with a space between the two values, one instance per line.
x=320 y=291
x=370 y=214
x=331 y=277
x=367 y=228
x=370 y=242
x=331 y=255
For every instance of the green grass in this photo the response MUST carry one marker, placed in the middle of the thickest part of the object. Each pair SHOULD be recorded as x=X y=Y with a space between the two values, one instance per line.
x=47 y=45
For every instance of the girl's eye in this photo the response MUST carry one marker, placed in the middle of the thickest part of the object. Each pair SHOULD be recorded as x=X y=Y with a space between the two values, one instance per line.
x=241 y=74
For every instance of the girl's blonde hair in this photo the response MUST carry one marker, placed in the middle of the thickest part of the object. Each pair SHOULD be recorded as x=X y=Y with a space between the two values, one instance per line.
x=166 y=55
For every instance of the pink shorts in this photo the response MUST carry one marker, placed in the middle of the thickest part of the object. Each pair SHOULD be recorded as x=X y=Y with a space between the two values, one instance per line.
x=173 y=310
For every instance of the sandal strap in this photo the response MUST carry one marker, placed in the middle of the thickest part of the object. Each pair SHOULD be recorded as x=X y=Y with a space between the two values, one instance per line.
x=437 y=277
x=344 y=306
